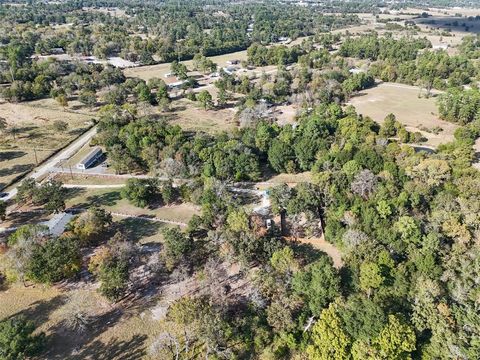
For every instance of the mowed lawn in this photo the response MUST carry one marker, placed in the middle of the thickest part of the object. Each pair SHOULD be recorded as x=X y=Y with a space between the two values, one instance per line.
x=111 y=200
x=416 y=113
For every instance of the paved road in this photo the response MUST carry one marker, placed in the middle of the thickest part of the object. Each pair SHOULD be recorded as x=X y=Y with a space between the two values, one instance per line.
x=51 y=163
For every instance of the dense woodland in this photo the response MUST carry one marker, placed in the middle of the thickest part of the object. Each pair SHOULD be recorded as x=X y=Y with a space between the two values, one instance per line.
x=173 y=31
x=406 y=222
x=402 y=61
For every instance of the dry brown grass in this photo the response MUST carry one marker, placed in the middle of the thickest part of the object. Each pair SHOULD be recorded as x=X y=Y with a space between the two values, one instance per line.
x=403 y=101
x=17 y=298
x=159 y=70
x=321 y=244
x=117 y=332
x=292 y=178
x=191 y=116
x=34 y=131
x=286 y=114
x=85 y=179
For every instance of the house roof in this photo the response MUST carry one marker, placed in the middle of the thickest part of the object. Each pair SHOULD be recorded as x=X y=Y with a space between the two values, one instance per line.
x=56 y=225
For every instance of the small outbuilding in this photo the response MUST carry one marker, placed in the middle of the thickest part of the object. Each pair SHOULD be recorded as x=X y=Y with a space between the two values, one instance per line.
x=90 y=159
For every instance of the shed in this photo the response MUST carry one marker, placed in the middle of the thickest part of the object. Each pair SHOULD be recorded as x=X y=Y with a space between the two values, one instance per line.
x=90 y=159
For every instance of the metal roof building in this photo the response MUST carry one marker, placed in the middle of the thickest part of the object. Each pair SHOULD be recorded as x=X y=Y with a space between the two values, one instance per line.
x=56 y=225
x=90 y=159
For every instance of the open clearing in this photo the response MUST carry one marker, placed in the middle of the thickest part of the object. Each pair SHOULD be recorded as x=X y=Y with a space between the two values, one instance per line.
x=190 y=116
x=112 y=201
x=31 y=130
x=160 y=70
x=433 y=28
x=115 y=334
x=403 y=101
x=331 y=250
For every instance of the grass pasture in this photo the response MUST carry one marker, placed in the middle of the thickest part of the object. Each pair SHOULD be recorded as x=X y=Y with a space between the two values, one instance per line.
x=30 y=130
x=403 y=101
x=192 y=117
x=160 y=70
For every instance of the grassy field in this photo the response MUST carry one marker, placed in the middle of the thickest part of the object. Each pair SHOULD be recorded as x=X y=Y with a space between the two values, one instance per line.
x=85 y=179
x=14 y=163
x=111 y=200
x=403 y=101
x=190 y=116
x=31 y=131
x=115 y=334
x=291 y=178
x=433 y=32
x=79 y=156
x=159 y=70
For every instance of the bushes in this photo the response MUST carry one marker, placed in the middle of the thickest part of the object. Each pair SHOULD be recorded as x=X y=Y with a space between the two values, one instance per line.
x=319 y=284
x=147 y=192
x=460 y=106
x=17 y=341
x=373 y=47
x=50 y=194
x=358 y=82
x=113 y=275
x=54 y=260
x=177 y=246
x=141 y=192
x=90 y=226
x=260 y=55
x=37 y=256
x=281 y=156
x=111 y=264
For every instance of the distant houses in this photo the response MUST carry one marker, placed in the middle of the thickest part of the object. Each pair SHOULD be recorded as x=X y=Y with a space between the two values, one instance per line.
x=177 y=84
x=284 y=40
x=230 y=69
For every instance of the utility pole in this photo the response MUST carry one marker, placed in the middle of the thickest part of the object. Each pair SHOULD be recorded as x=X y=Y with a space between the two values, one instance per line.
x=36 y=158
x=71 y=172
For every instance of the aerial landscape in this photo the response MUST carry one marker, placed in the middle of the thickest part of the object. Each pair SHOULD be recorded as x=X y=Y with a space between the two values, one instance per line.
x=240 y=179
